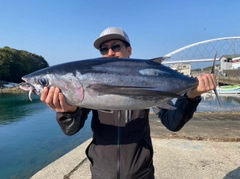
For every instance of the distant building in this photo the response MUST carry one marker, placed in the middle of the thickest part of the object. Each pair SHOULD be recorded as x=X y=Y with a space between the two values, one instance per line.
x=184 y=68
x=228 y=62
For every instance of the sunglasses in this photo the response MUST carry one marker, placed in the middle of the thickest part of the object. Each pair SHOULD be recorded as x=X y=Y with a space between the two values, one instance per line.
x=114 y=48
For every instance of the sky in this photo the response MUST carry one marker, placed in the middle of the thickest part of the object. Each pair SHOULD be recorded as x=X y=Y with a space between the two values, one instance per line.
x=64 y=30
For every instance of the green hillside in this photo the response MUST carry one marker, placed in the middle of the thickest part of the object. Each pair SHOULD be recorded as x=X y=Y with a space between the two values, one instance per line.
x=16 y=63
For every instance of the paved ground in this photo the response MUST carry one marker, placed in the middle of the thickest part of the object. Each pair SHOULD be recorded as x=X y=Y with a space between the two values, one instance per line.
x=208 y=147
x=220 y=126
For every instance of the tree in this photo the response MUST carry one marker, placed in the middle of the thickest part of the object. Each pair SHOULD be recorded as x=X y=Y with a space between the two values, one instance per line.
x=16 y=63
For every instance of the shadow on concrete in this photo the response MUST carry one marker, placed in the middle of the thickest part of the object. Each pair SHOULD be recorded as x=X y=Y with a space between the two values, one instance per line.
x=235 y=174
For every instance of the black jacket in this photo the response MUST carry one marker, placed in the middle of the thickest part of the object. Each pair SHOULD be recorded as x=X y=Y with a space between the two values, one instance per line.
x=121 y=147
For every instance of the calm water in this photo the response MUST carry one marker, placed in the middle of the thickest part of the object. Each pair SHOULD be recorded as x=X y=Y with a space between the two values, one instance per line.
x=210 y=104
x=30 y=137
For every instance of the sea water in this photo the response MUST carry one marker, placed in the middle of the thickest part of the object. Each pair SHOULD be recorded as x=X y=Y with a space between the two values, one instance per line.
x=30 y=137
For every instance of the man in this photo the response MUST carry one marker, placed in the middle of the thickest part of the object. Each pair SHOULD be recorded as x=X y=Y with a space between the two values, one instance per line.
x=121 y=147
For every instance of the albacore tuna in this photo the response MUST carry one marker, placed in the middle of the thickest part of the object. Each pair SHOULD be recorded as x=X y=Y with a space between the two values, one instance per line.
x=112 y=83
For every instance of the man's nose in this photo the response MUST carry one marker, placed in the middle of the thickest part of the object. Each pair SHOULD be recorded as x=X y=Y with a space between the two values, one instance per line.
x=110 y=52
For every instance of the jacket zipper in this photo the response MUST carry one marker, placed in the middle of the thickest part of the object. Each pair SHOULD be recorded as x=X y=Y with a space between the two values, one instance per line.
x=128 y=115
x=127 y=118
x=118 y=145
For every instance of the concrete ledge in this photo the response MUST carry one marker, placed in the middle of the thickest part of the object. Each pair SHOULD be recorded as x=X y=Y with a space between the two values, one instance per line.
x=173 y=158
x=65 y=165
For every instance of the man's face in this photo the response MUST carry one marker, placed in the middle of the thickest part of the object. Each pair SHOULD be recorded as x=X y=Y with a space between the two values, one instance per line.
x=115 y=48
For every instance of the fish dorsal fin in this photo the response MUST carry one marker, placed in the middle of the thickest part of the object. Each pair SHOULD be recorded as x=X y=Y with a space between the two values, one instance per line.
x=110 y=57
x=158 y=59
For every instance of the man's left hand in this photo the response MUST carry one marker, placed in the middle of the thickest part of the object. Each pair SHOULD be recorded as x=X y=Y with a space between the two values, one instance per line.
x=207 y=82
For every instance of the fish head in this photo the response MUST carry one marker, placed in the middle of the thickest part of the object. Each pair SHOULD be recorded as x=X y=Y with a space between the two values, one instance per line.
x=67 y=82
x=35 y=83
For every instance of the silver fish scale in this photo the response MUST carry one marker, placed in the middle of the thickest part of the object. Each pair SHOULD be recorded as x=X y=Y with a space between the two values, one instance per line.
x=114 y=84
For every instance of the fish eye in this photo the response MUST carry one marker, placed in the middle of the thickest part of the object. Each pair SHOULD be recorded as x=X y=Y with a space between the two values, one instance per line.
x=43 y=81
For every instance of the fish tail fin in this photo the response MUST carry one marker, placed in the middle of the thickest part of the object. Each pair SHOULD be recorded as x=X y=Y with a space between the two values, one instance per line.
x=218 y=99
x=214 y=62
x=212 y=71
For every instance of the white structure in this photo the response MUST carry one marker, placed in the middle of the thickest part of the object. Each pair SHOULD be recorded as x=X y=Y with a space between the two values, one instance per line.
x=209 y=49
x=228 y=62
x=184 y=68
x=236 y=62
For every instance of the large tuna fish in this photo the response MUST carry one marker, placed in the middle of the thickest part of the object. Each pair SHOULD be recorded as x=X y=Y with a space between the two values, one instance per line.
x=112 y=83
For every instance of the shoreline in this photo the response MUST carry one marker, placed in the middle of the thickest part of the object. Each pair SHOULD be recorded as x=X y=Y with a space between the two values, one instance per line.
x=15 y=89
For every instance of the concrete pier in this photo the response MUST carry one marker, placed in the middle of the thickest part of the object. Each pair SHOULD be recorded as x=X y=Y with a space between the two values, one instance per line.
x=208 y=147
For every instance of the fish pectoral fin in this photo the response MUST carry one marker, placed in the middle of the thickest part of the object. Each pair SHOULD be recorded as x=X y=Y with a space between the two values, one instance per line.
x=131 y=91
x=164 y=105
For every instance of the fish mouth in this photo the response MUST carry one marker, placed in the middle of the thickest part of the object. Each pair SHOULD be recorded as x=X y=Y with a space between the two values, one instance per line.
x=28 y=87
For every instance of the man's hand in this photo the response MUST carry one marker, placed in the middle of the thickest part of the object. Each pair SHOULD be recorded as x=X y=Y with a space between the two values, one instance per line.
x=207 y=82
x=56 y=101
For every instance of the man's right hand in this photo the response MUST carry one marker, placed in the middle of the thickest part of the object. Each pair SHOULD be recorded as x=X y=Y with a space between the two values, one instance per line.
x=56 y=100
